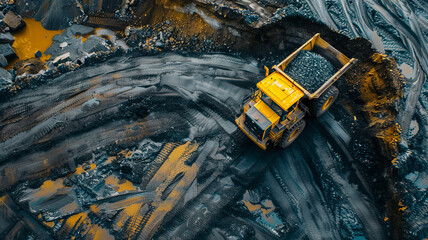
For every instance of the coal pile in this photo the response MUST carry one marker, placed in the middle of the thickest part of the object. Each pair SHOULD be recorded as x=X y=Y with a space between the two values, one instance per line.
x=310 y=70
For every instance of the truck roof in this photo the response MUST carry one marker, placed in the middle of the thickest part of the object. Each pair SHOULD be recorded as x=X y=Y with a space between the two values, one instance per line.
x=281 y=90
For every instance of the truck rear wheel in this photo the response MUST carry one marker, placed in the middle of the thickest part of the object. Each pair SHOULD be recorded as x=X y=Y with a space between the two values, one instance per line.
x=289 y=136
x=319 y=106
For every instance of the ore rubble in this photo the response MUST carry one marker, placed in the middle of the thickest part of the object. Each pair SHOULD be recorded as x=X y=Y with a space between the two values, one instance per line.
x=132 y=134
x=310 y=70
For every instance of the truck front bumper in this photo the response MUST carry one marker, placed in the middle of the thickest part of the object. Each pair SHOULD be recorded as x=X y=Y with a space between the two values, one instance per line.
x=240 y=122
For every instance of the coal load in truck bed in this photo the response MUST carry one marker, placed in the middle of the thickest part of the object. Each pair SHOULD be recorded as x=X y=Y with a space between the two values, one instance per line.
x=310 y=70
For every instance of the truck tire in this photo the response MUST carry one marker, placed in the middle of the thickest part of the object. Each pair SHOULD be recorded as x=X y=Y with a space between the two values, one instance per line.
x=319 y=106
x=292 y=134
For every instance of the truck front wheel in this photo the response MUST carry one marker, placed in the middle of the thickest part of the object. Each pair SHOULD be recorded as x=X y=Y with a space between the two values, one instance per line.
x=289 y=136
x=319 y=106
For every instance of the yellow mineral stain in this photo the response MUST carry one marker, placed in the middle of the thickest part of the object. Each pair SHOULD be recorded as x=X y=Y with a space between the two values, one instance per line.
x=265 y=209
x=128 y=154
x=71 y=221
x=111 y=159
x=102 y=234
x=402 y=209
x=47 y=184
x=171 y=167
x=179 y=151
x=377 y=79
x=30 y=39
x=94 y=208
x=86 y=36
x=48 y=188
x=127 y=185
x=251 y=207
x=124 y=186
x=132 y=209
x=80 y=170
x=49 y=224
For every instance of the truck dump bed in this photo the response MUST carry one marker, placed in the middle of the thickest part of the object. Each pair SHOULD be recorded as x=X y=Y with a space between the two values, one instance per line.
x=321 y=47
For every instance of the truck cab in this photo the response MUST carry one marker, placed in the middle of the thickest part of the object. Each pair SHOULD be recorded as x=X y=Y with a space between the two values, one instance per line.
x=271 y=109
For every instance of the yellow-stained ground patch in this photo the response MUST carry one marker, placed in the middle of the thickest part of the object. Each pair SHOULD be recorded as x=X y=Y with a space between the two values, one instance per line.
x=86 y=36
x=49 y=187
x=80 y=170
x=265 y=209
x=163 y=179
x=380 y=86
x=31 y=39
x=100 y=233
x=121 y=185
x=49 y=224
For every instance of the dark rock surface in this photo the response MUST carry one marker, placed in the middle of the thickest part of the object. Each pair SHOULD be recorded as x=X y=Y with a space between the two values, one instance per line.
x=7 y=38
x=7 y=51
x=77 y=29
x=38 y=54
x=5 y=79
x=3 y=27
x=71 y=41
x=3 y=61
x=57 y=14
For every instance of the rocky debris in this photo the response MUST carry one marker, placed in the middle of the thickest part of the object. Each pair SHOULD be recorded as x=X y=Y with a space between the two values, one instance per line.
x=3 y=61
x=29 y=66
x=5 y=79
x=14 y=21
x=1 y=15
x=62 y=59
x=66 y=43
x=38 y=54
x=95 y=44
x=7 y=51
x=310 y=70
x=80 y=47
x=6 y=38
x=70 y=41
x=63 y=44
x=58 y=14
x=164 y=37
x=3 y=27
x=8 y=22
x=77 y=29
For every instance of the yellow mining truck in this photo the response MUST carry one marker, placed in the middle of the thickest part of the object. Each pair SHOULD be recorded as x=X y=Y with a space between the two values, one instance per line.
x=274 y=113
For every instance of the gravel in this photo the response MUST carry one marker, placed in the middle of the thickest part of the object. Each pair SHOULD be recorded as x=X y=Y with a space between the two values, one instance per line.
x=310 y=70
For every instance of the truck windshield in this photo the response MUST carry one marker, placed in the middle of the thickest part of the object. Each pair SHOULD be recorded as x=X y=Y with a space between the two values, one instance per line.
x=265 y=98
